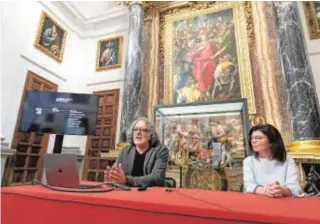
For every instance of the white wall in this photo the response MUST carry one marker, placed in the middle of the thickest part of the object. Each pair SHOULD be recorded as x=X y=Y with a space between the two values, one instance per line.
x=109 y=79
x=19 y=24
x=1 y=22
x=313 y=47
x=88 y=80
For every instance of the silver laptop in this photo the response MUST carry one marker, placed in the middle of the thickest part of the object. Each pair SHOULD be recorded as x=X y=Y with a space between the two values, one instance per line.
x=62 y=171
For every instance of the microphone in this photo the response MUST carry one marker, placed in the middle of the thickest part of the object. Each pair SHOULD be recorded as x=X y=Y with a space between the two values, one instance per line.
x=142 y=187
x=121 y=186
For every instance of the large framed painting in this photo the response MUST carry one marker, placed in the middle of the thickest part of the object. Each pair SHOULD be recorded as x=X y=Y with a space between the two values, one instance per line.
x=312 y=14
x=203 y=139
x=196 y=132
x=109 y=53
x=206 y=55
x=51 y=37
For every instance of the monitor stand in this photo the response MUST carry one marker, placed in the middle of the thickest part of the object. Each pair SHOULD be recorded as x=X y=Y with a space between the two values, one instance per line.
x=58 y=144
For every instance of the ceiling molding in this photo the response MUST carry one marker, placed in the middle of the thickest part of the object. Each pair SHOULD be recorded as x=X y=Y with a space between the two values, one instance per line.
x=112 y=14
x=89 y=27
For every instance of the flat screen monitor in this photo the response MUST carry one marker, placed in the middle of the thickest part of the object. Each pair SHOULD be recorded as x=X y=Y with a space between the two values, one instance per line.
x=59 y=113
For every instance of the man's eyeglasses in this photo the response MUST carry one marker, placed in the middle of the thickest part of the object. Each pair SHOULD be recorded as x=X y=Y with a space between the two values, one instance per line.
x=256 y=138
x=141 y=130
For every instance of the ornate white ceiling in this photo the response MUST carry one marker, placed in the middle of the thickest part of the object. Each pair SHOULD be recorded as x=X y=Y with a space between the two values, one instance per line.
x=90 y=10
x=90 y=19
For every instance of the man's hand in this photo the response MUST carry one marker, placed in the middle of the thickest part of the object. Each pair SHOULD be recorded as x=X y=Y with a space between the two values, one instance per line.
x=107 y=172
x=117 y=174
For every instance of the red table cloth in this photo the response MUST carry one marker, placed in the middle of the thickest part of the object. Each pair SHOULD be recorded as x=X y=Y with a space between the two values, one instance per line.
x=38 y=205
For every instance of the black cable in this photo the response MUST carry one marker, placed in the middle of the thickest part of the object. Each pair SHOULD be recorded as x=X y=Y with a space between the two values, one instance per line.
x=87 y=186
x=74 y=190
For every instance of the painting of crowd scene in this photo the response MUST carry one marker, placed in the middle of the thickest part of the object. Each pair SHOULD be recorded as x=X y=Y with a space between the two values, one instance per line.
x=205 y=65
x=209 y=141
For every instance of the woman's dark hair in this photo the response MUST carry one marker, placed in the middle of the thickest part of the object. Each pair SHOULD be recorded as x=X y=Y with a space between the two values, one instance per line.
x=154 y=139
x=278 y=150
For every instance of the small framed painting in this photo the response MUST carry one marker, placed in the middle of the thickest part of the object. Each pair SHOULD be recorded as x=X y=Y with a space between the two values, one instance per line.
x=109 y=53
x=312 y=14
x=51 y=37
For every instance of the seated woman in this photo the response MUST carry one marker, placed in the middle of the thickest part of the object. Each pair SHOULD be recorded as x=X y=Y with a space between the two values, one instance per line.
x=269 y=171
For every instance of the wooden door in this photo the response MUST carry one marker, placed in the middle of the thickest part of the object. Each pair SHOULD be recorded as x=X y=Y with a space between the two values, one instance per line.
x=105 y=136
x=26 y=164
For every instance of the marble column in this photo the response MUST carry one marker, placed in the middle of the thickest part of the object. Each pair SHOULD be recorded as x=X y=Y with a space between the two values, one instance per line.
x=301 y=92
x=131 y=96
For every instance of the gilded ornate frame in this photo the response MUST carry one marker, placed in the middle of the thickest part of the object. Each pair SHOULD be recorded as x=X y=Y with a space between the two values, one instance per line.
x=239 y=10
x=59 y=58
x=312 y=22
x=118 y=65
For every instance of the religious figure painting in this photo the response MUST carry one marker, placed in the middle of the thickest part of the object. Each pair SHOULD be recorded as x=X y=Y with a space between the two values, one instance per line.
x=206 y=56
x=210 y=140
x=51 y=37
x=109 y=53
x=312 y=14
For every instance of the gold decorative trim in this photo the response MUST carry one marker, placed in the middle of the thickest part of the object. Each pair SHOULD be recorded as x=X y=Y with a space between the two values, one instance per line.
x=195 y=5
x=148 y=12
x=302 y=175
x=307 y=146
x=255 y=120
x=127 y=3
x=305 y=157
x=313 y=23
x=157 y=28
x=196 y=9
x=305 y=151
x=250 y=26
x=203 y=179
x=234 y=176
x=267 y=58
x=113 y=153
x=120 y=146
x=144 y=4
x=59 y=58
x=154 y=87
x=108 y=67
x=167 y=6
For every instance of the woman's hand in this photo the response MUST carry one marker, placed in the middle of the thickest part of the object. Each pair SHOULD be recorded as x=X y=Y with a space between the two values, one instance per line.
x=264 y=191
x=276 y=190
x=269 y=191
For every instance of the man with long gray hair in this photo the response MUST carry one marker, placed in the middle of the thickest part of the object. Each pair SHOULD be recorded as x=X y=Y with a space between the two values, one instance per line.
x=144 y=161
